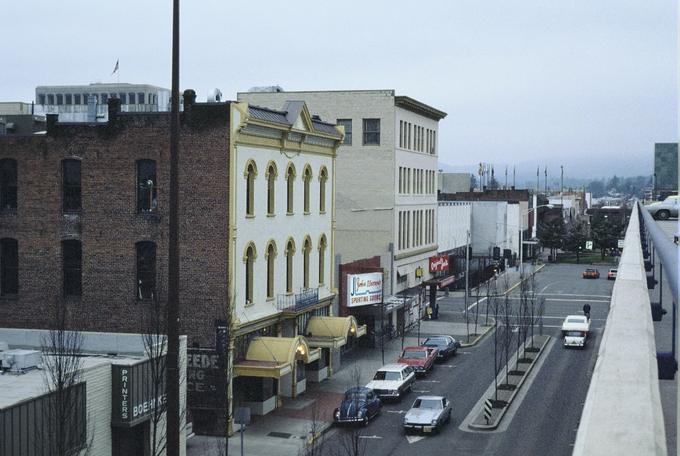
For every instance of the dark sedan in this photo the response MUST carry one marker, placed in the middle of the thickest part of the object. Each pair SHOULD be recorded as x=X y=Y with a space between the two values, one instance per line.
x=446 y=345
x=359 y=405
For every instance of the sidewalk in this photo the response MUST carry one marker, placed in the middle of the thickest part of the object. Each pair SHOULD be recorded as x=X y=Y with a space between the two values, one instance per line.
x=286 y=430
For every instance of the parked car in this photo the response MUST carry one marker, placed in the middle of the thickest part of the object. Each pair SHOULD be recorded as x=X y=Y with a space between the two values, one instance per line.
x=446 y=345
x=421 y=358
x=428 y=414
x=611 y=275
x=591 y=274
x=665 y=209
x=392 y=381
x=359 y=405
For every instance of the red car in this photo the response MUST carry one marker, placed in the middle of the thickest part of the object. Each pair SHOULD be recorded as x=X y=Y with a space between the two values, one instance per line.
x=420 y=358
x=591 y=274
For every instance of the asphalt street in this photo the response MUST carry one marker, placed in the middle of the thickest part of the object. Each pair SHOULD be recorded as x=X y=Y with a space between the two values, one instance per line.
x=544 y=421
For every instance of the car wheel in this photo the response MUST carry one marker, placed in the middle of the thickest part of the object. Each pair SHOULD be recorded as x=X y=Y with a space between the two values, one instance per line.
x=663 y=215
x=365 y=423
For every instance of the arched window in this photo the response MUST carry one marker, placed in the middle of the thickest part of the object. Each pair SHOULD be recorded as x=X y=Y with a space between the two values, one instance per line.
x=290 y=180
x=307 y=179
x=270 y=254
x=251 y=172
x=72 y=257
x=8 y=184
x=323 y=178
x=249 y=259
x=306 y=248
x=290 y=251
x=146 y=270
x=322 y=259
x=271 y=181
x=9 y=267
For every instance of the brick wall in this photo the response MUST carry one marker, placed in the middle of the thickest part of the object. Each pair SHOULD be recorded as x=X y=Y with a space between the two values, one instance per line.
x=109 y=226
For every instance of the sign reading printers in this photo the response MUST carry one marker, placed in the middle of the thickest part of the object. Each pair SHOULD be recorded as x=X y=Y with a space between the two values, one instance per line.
x=364 y=289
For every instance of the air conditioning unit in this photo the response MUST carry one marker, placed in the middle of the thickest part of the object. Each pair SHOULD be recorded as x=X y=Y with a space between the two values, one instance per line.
x=20 y=359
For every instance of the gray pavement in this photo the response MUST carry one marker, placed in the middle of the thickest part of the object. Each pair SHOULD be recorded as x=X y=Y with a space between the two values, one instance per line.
x=663 y=335
x=286 y=430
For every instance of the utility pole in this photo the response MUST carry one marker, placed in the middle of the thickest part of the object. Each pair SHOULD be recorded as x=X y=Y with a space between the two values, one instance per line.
x=513 y=177
x=467 y=269
x=562 y=187
x=172 y=359
x=546 y=180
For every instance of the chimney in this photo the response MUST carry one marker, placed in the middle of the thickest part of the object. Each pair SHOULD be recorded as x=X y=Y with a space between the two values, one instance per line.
x=189 y=96
x=52 y=122
x=114 y=109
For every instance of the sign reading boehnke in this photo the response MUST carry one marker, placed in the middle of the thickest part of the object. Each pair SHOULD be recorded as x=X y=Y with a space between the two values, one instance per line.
x=364 y=289
x=134 y=395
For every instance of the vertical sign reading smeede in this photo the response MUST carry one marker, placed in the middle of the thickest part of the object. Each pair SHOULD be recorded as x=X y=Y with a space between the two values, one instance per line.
x=364 y=289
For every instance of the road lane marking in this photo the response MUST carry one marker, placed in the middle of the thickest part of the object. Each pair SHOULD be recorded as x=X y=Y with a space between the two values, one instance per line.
x=396 y=411
x=370 y=437
x=575 y=300
x=429 y=381
x=421 y=391
x=414 y=438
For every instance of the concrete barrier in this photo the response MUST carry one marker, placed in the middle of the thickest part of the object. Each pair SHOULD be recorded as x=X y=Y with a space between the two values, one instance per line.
x=622 y=413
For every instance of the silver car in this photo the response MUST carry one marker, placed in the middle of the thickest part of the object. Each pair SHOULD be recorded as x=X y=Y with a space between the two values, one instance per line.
x=428 y=414
x=665 y=209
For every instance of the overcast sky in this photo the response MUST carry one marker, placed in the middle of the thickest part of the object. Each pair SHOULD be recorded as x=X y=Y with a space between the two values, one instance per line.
x=590 y=84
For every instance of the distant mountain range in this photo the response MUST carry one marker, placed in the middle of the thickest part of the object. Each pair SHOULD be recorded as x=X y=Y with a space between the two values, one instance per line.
x=575 y=174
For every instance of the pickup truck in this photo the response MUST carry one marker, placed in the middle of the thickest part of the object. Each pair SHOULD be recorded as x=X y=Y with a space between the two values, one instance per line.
x=575 y=330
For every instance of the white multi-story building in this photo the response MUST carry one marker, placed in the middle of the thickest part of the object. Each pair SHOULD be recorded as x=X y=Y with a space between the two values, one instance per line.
x=282 y=173
x=386 y=189
x=88 y=103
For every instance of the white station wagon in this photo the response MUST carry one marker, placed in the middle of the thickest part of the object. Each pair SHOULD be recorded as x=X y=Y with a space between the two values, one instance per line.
x=393 y=380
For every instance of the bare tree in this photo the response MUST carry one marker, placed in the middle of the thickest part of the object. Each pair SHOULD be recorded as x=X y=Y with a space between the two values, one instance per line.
x=351 y=441
x=314 y=445
x=64 y=429
x=155 y=346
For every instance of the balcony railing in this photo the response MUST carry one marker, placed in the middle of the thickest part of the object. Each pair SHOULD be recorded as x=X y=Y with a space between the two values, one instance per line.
x=297 y=301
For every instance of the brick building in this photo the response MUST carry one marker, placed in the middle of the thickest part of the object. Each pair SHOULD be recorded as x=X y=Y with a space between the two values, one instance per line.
x=84 y=221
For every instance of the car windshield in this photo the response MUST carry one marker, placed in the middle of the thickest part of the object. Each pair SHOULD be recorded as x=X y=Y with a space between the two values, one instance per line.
x=409 y=354
x=355 y=396
x=575 y=320
x=428 y=403
x=387 y=375
x=612 y=270
x=574 y=334
x=434 y=342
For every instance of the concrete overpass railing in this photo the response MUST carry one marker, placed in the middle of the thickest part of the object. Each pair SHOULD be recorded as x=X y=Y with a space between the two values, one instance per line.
x=622 y=413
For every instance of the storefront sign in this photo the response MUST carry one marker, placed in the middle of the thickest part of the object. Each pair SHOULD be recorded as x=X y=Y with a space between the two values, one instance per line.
x=439 y=263
x=447 y=281
x=364 y=289
x=136 y=393
x=206 y=385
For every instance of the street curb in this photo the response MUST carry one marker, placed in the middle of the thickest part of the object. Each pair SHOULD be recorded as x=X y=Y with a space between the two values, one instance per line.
x=479 y=337
x=499 y=418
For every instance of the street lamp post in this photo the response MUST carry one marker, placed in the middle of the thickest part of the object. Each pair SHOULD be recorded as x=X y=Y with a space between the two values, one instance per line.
x=521 y=232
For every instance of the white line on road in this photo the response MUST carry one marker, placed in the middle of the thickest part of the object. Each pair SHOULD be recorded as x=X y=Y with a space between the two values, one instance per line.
x=428 y=381
x=370 y=437
x=572 y=294
x=565 y=300
x=396 y=411
x=421 y=391
x=414 y=438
